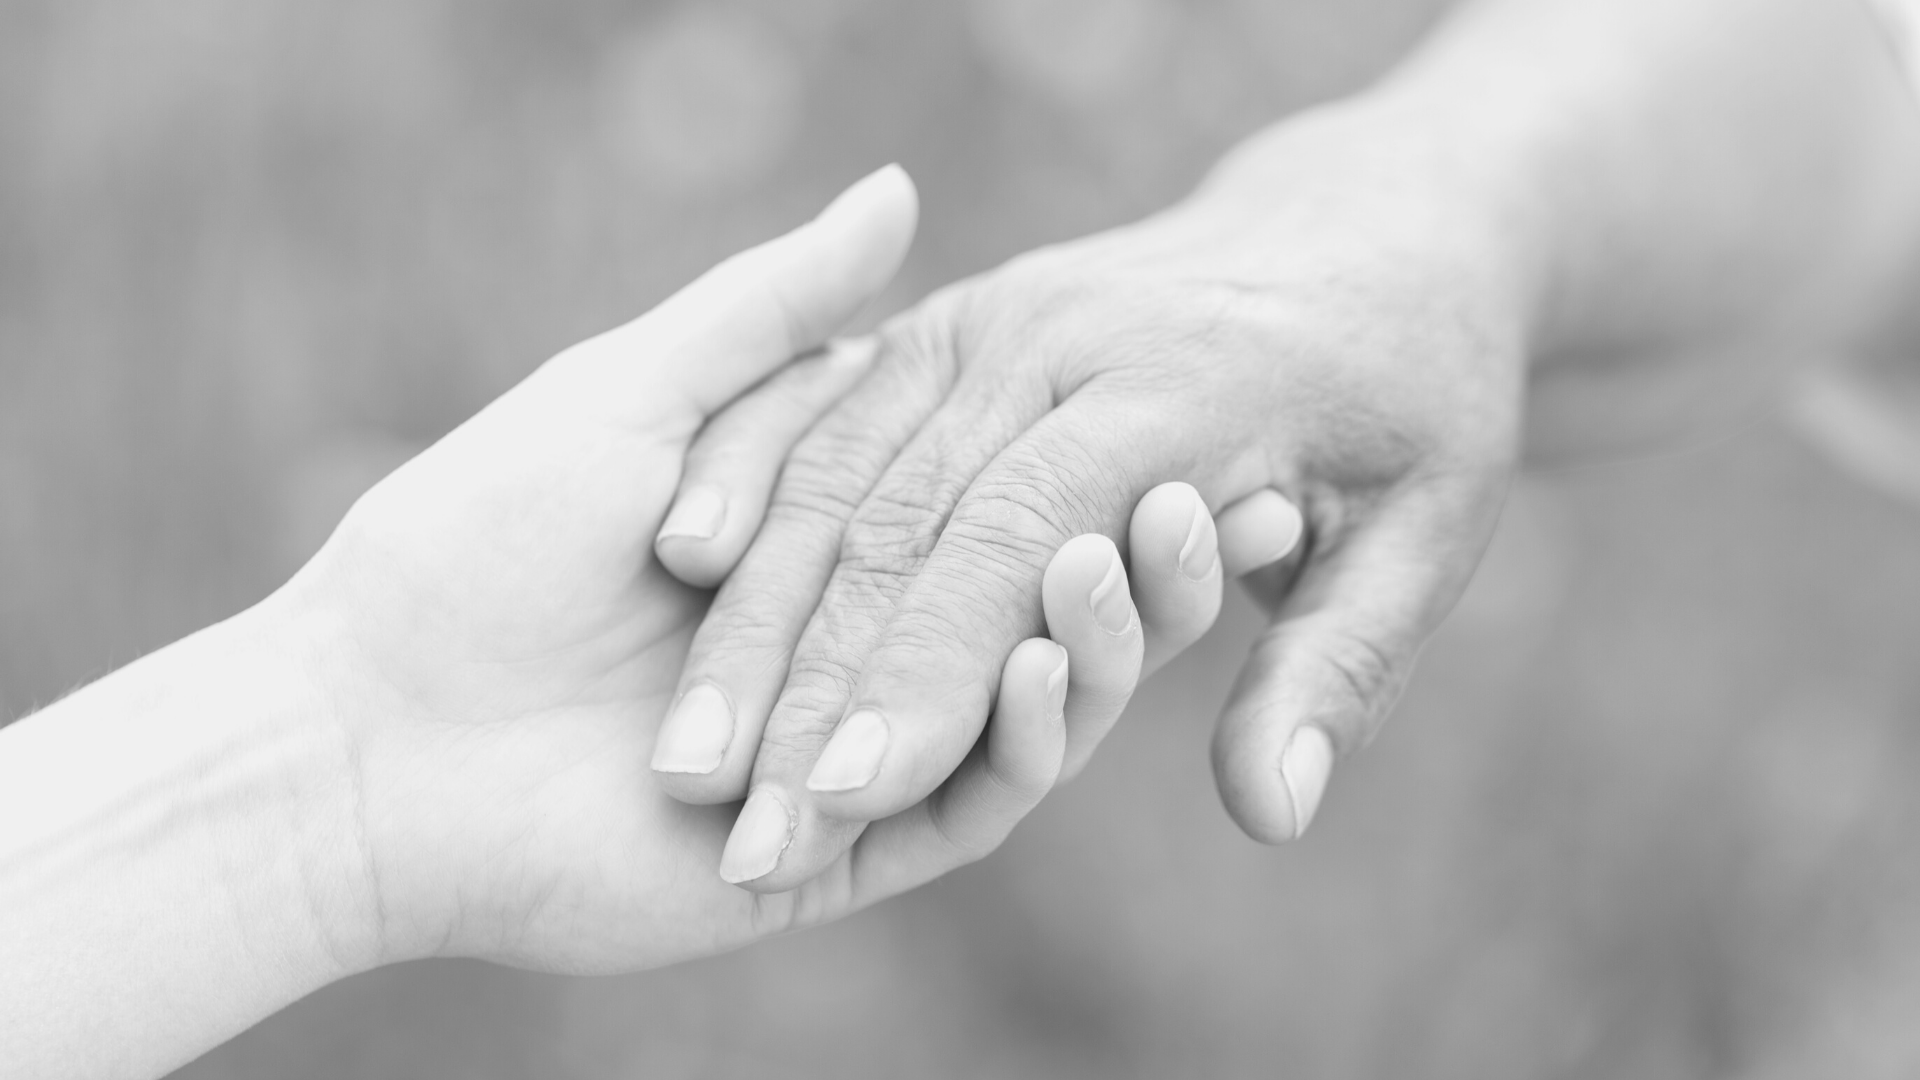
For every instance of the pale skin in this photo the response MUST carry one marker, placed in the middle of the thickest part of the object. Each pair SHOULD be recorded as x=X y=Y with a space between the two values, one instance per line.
x=1562 y=227
x=433 y=740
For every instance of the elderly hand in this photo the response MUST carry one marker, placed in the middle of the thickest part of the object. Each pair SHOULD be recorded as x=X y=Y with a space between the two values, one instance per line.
x=1354 y=346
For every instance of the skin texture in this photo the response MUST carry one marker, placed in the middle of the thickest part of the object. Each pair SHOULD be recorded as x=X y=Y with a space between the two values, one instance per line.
x=433 y=740
x=1600 y=205
x=1041 y=401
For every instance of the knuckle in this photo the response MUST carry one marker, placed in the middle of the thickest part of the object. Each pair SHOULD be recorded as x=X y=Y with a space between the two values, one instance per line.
x=809 y=712
x=941 y=817
x=956 y=823
x=961 y=616
x=744 y=648
x=819 y=489
x=1371 y=673
x=921 y=343
x=892 y=532
x=853 y=614
x=1031 y=505
x=750 y=640
x=795 y=737
x=821 y=675
x=952 y=640
x=899 y=523
x=1009 y=527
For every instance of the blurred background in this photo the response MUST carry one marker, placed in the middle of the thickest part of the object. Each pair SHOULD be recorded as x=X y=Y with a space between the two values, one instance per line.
x=1646 y=812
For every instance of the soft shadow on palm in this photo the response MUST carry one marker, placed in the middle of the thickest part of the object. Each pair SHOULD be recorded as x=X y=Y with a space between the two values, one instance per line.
x=528 y=646
x=504 y=643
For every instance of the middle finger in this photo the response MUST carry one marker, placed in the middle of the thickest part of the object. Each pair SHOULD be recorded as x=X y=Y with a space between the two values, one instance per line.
x=741 y=654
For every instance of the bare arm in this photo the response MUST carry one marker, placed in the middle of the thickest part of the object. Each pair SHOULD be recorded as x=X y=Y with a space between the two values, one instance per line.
x=178 y=857
x=1690 y=195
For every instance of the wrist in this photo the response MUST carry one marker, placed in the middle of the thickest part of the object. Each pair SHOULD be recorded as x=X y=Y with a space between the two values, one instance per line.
x=176 y=851
x=393 y=844
x=299 y=796
x=1396 y=192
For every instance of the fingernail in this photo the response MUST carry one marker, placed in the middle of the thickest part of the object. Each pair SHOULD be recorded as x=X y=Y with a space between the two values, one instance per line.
x=1199 y=555
x=695 y=735
x=852 y=757
x=1304 y=766
x=1289 y=527
x=1112 y=607
x=760 y=834
x=1057 y=689
x=697 y=514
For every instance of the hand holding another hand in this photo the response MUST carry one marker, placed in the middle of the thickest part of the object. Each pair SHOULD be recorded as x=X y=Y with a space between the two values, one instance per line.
x=432 y=741
x=1355 y=348
x=502 y=643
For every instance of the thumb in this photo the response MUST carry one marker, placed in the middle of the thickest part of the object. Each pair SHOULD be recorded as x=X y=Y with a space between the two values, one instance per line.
x=1324 y=676
x=731 y=327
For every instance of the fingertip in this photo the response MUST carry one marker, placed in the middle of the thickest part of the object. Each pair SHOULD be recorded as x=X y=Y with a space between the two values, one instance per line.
x=1277 y=740
x=1305 y=765
x=881 y=212
x=1084 y=559
x=1275 y=797
x=1253 y=791
x=987 y=795
x=699 y=513
x=1171 y=528
x=1086 y=582
x=1174 y=555
x=1026 y=740
x=761 y=834
x=1257 y=531
x=887 y=190
x=686 y=560
x=1091 y=613
x=1057 y=681
x=686 y=543
x=1035 y=679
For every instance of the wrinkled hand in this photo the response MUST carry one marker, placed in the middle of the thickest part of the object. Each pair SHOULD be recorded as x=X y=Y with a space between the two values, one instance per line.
x=1350 y=346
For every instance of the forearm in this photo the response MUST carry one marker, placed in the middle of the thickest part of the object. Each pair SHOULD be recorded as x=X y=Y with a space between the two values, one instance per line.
x=1636 y=179
x=177 y=858
x=1700 y=170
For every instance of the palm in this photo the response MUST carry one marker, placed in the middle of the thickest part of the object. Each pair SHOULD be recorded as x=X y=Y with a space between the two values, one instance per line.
x=503 y=643
x=528 y=644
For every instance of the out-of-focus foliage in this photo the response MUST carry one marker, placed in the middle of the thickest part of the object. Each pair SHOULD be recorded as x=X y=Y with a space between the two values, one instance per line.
x=1646 y=812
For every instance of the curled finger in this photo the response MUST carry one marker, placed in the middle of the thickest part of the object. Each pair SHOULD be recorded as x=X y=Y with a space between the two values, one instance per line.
x=1005 y=776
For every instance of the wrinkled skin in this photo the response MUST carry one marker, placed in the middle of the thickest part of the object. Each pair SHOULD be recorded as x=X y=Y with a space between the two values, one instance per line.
x=1350 y=345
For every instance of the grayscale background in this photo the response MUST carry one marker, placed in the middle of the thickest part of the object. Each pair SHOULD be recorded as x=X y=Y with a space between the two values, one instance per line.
x=1646 y=812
